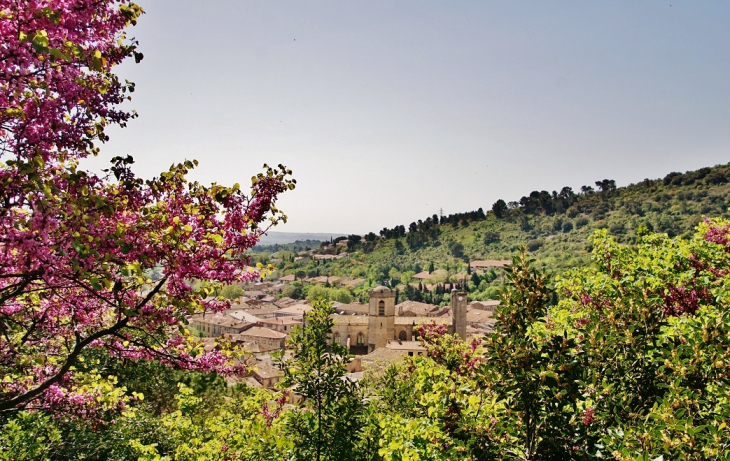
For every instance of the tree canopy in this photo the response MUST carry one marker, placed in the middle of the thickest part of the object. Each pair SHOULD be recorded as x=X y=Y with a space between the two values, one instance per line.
x=80 y=251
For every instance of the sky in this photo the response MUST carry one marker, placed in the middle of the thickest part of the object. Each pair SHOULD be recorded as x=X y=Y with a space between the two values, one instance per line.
x=389 y=111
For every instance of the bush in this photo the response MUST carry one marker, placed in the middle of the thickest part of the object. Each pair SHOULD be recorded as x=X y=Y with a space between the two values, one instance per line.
x=581 y=222
x=716 y=177
x=491 y=237
x=617 y=228
x=567 y=227
x=293 y=291
x=535 y=245
x=341 y=295
x=232 y=291
x=456 y=249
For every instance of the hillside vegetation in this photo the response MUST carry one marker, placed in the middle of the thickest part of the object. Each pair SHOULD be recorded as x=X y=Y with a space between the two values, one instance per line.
x=630 y=364
x=554 y=227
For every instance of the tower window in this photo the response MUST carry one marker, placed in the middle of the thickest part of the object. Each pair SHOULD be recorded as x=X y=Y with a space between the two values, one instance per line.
x=381 y=308
x=336 y=339
x=403 y=336
x=360 y=339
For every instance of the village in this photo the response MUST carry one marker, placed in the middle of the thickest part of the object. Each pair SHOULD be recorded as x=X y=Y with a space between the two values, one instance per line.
x=376 y=333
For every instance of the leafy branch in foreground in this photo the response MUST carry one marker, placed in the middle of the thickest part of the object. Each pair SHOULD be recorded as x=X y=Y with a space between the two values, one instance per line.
x=327 y=425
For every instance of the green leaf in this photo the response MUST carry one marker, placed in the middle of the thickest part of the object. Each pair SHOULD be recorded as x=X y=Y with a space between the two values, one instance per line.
x=40 y=41
x=58 y=54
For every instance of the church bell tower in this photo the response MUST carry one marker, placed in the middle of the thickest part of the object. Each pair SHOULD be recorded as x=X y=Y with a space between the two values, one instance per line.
x=382 y=317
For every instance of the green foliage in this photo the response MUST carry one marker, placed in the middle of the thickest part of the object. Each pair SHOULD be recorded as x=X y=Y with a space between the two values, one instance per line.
x=154 y=389
x=499 y=209
x=326 y=426
x=29 y=436
x=656 y=327
x=236 y=429
x=535 y=245
x=631 y=363
x=535 y=377
x=491 y=237
x=316 y=292
x=456 y=249
x=232 y=291
x=40 y=436
x=435 y=408
x=294 y=291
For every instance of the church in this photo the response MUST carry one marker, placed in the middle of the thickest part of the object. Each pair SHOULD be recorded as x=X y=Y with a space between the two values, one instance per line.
x=363 y=334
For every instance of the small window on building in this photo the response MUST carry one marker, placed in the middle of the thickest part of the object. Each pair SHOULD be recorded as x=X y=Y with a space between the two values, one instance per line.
x=336 y=338
x=360 y=339
x=403 y=336
x=410 y=354
x=381 y=308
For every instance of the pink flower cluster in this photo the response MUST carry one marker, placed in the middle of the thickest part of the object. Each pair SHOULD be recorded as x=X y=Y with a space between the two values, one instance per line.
x=463 y=359
x=271 y=414
x=588 y=416
x=679 y=300
x=717 y=233
x=90 y=261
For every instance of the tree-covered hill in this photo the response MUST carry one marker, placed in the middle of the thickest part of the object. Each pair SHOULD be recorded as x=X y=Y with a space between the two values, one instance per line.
x=553 y=226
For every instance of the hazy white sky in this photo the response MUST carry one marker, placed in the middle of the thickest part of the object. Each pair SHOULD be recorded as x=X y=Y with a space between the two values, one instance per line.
x=387 y=111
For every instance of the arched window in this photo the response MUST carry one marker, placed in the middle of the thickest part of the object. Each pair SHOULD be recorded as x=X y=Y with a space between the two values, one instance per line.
x=381 y=308
x=336 y=338
x=402 y=336
x=360 y=339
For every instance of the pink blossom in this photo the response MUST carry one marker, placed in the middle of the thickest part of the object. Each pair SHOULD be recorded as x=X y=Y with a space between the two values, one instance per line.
x=78 y=251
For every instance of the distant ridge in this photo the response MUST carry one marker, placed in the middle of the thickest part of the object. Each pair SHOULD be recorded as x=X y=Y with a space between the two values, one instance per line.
x=282 y=238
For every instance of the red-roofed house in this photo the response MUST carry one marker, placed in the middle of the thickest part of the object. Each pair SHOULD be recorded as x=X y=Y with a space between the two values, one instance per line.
x=488 y=264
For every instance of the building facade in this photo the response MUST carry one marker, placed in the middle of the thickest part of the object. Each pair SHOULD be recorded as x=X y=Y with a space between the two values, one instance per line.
x=363 y=334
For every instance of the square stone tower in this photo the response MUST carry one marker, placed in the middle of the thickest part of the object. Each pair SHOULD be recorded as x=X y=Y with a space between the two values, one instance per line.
x=382 y=317
x=458 y=312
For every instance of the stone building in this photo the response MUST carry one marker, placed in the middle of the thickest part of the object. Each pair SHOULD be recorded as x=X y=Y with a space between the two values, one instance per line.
x=267 y=375
x=458 y=306
x=363 y=334
x=381 y=317
x=263 y=336
x=215 y=324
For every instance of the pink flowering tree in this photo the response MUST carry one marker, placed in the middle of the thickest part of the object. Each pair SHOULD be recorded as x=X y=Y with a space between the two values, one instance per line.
x=90 y=261
x=451 y=351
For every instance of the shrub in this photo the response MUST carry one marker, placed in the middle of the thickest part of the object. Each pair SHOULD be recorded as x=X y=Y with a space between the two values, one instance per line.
x=535 y=245
x=491 y=237
x=582 y=221
x=617 y=227
x=232 y=291
x=456 y=249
